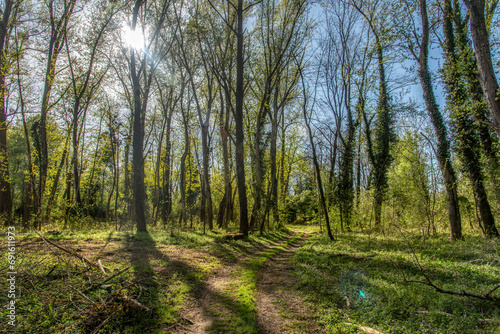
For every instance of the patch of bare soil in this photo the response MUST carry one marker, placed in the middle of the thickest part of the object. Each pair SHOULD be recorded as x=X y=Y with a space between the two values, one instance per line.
x=279 y=308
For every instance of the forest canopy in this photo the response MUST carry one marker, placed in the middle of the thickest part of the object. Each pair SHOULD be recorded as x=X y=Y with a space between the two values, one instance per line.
x=358 y=115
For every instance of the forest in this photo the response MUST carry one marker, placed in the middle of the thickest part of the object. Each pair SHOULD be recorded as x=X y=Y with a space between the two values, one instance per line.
x=237 y=166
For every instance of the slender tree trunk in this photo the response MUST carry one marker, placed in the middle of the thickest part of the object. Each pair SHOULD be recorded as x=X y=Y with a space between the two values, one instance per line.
x=5 y=192
x=256 y=210
x=315 y=159
x=166 y=208
x=225 y=205
x=206 y=177
x=139 y=195
x=126 y=180
x=185 y=154
x=282 y=201
x=55 y=184
x=58 y=29
x=238 y=118
x=383 y=140
x=273 y=197
x=482 y=49
x=443 y=146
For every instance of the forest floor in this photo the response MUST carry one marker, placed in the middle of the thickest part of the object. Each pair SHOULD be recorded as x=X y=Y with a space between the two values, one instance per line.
x=98 y=282
x=290 y=281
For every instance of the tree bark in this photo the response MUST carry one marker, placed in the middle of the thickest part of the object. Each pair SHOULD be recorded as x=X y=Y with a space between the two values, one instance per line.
x=468 y=141
x=443 y=146
x=315 y=158
x=482 y=50
x=139 y=196
x=238 y=118
x=5 y=191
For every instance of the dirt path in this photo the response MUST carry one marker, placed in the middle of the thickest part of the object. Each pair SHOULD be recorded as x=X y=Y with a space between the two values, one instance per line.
x=211 y=309
x=279 y=308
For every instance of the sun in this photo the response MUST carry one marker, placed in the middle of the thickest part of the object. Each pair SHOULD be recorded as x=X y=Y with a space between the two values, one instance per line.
x=133 y=38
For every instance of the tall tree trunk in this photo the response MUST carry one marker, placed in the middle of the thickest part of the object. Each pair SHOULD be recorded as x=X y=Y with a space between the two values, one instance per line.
x=443 y=145
x=58 y=30
x=315 y=158
x=5 y=191
x=256 y=210
x=383 y=139
x=273 y=196
x=185 y=154
x=206 y=177
x=139 y=193
x=225 y=206
x=482 y=50
x=126 y=179
x=166 y=206
x=479 y=110
x=238 y=118
x=282 y=165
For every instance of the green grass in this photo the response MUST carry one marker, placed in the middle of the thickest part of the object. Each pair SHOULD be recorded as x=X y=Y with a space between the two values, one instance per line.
x=332 y=274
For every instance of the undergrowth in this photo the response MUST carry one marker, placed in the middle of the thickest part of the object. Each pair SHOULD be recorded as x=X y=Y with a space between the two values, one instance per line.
x=359 y=280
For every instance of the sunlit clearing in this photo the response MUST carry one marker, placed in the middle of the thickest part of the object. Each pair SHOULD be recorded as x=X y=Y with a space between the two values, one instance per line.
x=133 y=38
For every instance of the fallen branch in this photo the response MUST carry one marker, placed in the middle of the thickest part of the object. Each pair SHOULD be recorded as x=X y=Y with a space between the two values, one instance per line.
x=99 y=264
x=486 y=296
x=83 y=258
x=82 y=294
x=428 y=281
x=135 y=303
x=95 y=285
x=100 y=326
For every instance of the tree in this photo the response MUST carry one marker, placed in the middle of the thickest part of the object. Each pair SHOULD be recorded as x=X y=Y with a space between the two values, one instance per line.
x=458 y=104
x=143 y=66
x=313 y=148
x=240 y=10
x=419 y=49
x=189 y=61
x=379 y=152
x=59 y=18
x=342 y=58
x=480 y=37
x=10 y=13
x=281 y=35
x=85 y=82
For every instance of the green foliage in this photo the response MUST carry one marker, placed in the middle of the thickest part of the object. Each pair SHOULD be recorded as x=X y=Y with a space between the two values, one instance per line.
x=409 y=183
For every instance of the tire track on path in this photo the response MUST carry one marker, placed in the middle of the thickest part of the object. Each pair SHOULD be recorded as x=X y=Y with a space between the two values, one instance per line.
x=280 y=309
x=210 y=307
